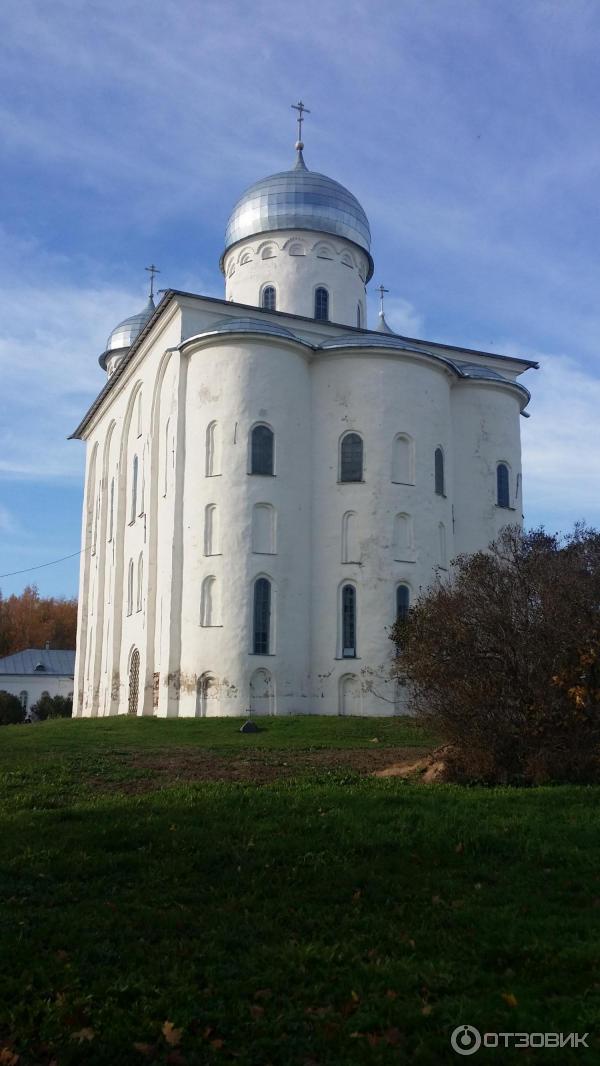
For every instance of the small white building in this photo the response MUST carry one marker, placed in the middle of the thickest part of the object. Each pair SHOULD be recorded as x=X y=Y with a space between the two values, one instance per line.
x=37 y=672
x=269 y=481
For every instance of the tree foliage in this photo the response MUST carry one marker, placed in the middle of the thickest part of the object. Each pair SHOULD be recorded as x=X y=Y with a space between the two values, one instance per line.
x=29 y=621
x=11 y=711
x=53 y=707
x=502 y=659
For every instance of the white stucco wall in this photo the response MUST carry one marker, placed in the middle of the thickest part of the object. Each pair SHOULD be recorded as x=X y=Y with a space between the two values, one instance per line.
x=296 y=263
x=189 y=378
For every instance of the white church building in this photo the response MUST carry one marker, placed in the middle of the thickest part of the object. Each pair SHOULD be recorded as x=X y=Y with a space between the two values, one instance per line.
x=269 y=482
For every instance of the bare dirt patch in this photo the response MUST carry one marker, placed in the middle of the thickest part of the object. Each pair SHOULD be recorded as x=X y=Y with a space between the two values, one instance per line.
x=258 y=766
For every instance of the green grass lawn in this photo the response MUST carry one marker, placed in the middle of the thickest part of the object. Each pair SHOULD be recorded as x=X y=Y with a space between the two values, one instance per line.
x=328 y=919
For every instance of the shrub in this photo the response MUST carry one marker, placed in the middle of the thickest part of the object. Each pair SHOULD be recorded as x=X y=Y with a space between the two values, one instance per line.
x=53 y=707
x=503 y=659
x=11 y=711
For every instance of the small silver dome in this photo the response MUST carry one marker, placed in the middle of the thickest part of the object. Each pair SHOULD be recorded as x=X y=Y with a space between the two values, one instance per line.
x=299 y=199
x=126 y=332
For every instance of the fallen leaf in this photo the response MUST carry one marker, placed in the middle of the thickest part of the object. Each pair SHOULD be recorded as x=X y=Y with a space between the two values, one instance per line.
x=8 y=1057
x=436 y=900
x=62 y=955
x=171 y=1034
x=256 y=1011
x=149 y=1050
x=263 y=993
x=459 y=849
x=373 y=1038
x=509 y=999
x=83 y=1034
x=217 y=1044
x=391 y=994
x=427 y=1009
x=355 y=996
x=392 y=1036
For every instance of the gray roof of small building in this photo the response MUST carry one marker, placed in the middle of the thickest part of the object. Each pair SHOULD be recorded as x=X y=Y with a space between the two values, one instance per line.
x=55 y=663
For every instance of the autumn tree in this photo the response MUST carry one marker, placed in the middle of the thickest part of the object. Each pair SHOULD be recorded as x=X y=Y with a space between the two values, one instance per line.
x=502 y=659
x=29 y=621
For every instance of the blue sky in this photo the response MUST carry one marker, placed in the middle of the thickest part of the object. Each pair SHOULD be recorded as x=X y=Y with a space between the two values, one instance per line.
x=468 y=130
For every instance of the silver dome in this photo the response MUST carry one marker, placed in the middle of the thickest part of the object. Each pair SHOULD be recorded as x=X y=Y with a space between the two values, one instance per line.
x=123 y=335
x=299 y=199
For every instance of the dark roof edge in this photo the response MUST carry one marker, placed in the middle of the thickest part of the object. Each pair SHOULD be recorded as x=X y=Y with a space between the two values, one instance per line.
x=171 y=294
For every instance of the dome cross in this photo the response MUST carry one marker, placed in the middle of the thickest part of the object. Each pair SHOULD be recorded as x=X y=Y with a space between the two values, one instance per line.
x=152 y=270
x=381 y=291
x=300 y=108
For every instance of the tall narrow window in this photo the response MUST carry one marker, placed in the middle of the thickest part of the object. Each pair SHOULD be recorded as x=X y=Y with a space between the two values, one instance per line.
x=166 y=461
x=111 y=511
x=348 y=622
x=23 y=699
x=403 y=460
x=402 y=602
x=139 y=413
x=134 y=488
x=140 y=583
x=403 y=542
x=350 y=546
x=212 y=450
x=263 y=529
x=261 y=450
x=321 y=304
x=502 y=489
x=358 y=316
x=261 y=628
x=442 y=537
x=439 y=471
x=269 y=298
x=211 y=530
x=207 y=601
x=351 y=458
x=130 y=587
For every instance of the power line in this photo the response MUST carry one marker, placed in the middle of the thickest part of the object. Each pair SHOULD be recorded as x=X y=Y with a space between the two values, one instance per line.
x=28 y=569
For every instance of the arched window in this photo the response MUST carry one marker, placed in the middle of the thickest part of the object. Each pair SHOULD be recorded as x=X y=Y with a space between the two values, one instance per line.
x=261 y=450
x=134 y=489
x=321 y=304
x=140 y=583
x=212 y=450
x=269 y=298
x=297 y=248
x=403 y=537
x=502 y=487
x=139 y=413
x=347 y=261
x=130 y=587
x=111 y=510
x=403 y=460
x=261 y=618
x=349 y=694
x=358 y=316
x=207 y=696
x=134 y=682
x=350 y=547
x=402 y=602
x=442 y=538
x=211 y=529
x=207 y=601
x=167 y=451
x=263 y=529
x=439 y=471
x=351 y=458
x=349 y=622
x=268 y=252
